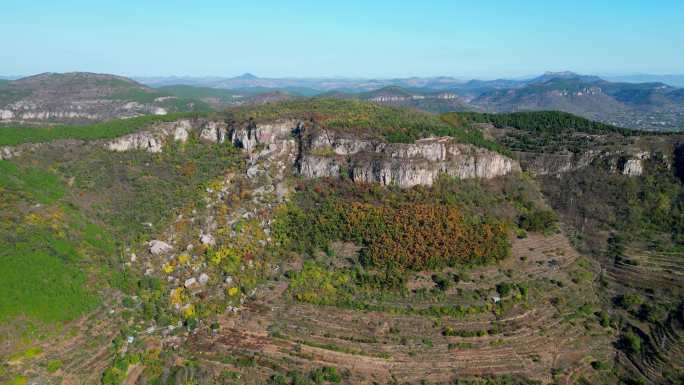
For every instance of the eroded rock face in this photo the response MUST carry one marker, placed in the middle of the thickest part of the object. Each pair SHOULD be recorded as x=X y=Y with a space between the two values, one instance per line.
x=367 y=161
x=153 y=139
x=634 y=164
x=145 y=141
x=76 y=110
x=274 y=138
x=182 y=131
x=213 y=132
x=251 y=135
x=632 y=167
x=555 y=163
x=625 y=162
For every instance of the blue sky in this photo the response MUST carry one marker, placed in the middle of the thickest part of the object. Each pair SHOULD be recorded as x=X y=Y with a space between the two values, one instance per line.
x=351 y=38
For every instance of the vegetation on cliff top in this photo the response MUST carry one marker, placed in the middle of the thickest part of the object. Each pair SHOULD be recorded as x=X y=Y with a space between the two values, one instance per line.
x=12 y=136
x=398 y=125
x=539 y=121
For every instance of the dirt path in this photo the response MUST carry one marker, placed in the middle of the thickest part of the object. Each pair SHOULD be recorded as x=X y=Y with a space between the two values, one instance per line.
x=134 y=373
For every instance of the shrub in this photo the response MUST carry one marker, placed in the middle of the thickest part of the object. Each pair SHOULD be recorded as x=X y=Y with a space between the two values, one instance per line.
x=443 y=282
x=540 y=221
x=631 y=342
x=54 y=365
x=628 y=301
x=504 y=289
x=326 y=373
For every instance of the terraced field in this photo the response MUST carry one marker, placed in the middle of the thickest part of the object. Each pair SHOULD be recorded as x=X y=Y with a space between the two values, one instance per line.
x=655 y=276
x=650 y=271
x=73 y=353
x=546 y=333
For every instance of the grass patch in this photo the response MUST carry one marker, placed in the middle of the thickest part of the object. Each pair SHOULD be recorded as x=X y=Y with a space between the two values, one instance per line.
x=42 y=248
x=54 y=365
x=40 y=285
x=341 y=349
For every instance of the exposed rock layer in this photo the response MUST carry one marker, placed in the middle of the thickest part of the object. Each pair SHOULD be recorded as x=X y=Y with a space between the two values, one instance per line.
x=326 y=154
x=625 y=161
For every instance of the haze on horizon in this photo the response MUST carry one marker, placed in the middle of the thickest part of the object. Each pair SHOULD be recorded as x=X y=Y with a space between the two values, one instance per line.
x=302 y=38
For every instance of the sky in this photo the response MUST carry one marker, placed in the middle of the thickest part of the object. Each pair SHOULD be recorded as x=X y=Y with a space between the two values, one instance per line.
x=326 y=38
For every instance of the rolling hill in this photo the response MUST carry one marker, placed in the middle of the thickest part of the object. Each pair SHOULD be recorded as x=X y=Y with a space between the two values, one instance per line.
x=84 y=97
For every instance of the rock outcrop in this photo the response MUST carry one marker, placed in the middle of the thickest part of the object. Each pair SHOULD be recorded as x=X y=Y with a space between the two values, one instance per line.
x=634 y=165
x=153 y=139
x=325 y=154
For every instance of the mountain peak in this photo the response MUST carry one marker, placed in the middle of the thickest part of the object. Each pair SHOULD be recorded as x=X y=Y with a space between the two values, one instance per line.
x=561 y=74
x=247 y=76
x=565 y=75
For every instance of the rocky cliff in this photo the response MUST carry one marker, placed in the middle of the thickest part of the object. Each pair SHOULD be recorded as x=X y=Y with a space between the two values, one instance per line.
x=32 y=110
x=627 y=161
x=327 y=154
x=319 y=153
x=315 y=153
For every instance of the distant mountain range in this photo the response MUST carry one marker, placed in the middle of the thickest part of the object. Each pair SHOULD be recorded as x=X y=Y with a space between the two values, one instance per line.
x=362 y=84
x=649 y=106
x=671 y=80
x=83 y=96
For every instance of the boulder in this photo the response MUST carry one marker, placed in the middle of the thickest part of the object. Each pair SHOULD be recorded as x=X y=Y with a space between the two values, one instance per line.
x=159 y=247
x=207 y=239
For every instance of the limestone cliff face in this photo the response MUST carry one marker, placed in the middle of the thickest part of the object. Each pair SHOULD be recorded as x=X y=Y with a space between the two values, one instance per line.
x=325 y=154
x=152 y=140
x=555 y=163
x=316 y=153
x=629 y=162
x=252 y=134
x=249 y=136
